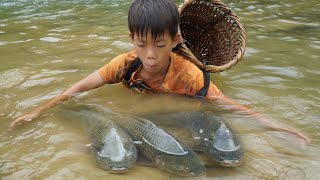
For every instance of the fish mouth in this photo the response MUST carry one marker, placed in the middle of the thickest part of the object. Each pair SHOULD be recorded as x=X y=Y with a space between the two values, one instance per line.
x=198 y=174
x=230 y=163
x=115 y=170
x=222 y=156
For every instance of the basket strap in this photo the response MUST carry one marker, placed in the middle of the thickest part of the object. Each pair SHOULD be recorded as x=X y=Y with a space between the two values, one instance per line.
x=203 y=91
x=133 y=67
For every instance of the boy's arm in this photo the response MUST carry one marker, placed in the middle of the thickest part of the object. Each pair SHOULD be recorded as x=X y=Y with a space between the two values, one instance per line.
x=215 y=95
x=92 y=81
x=224 y=101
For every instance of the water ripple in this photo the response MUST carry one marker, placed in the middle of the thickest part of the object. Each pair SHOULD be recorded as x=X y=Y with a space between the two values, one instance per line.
x=283 y=71
x=296 y=22
x=11 y=78
x=37 y=99
x=50 y=39
x=46 y=73
x=38 y=82
x=3 y=43
x=122 y=45
x=59 y=29
x=250 y=51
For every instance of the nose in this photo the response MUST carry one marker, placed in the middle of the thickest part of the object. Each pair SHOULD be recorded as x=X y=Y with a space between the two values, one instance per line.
x=151 y=53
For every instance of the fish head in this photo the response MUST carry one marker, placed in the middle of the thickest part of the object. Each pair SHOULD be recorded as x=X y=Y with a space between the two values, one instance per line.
x=115 y=163
x=218 y=141
x=183 y=165
x=226 y=157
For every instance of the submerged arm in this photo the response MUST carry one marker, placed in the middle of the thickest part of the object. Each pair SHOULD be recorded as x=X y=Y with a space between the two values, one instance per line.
x=215 y=95
x=224 y=101
x=92 y=81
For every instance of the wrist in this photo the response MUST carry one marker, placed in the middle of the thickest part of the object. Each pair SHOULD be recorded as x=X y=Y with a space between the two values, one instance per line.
x=37 y=112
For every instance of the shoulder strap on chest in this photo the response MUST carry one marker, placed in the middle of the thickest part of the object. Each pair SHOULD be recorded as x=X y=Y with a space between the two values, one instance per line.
x=200 y=94
x=132 y=68
x=203 y=91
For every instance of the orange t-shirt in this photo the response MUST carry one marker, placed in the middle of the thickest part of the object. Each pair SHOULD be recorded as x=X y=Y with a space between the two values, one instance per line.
x=183 y=77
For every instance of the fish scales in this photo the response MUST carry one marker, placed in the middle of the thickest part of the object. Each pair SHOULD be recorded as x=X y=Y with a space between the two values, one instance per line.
x=164 y=150
x=144 y=131
x=209 y=132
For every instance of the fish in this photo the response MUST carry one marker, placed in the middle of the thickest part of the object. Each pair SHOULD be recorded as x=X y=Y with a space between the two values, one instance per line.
x=112 y=148
x=210 y=134
x=165 y=151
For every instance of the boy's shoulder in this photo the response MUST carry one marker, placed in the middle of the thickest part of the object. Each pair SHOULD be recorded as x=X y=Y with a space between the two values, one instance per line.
x=181 y=64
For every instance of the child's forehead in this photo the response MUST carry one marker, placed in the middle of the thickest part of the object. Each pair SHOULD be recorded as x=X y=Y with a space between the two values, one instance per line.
x=148 y=34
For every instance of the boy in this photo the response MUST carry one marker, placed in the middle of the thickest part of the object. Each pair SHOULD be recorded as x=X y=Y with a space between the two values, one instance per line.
x=153 y=26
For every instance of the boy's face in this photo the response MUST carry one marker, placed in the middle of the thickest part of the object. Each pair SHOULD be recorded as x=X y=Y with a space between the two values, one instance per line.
x=154 y=54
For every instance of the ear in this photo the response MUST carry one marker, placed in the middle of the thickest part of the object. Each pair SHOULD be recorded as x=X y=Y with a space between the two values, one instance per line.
x=176 y=40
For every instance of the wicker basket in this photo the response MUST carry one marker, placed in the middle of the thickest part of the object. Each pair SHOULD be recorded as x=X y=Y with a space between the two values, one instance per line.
x=212 y=35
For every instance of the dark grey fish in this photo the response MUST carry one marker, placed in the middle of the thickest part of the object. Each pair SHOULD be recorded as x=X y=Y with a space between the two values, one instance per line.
x=164 y=150
x=112 y=148
x=210 y=134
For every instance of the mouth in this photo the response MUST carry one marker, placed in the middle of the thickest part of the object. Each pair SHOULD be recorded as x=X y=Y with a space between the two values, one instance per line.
x=151 y=66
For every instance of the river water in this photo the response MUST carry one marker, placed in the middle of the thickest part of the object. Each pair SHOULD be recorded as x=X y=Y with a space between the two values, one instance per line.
x=47 y=45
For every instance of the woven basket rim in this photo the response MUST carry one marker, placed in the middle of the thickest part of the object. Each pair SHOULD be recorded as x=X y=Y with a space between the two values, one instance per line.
x=241 y=38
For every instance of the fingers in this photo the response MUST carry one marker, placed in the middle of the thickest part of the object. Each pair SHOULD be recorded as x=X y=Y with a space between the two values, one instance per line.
x=298 y=134
x=18 y=122
x=304 y=137
x=13 y=125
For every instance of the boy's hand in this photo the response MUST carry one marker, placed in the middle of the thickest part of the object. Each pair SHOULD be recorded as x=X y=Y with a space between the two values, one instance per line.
x=24 y=119
x=276 y=127
x=296 y=133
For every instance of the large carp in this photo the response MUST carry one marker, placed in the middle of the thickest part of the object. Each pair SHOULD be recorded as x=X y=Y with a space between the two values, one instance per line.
x=164 y=150
x=112 y=148
x=210 y=134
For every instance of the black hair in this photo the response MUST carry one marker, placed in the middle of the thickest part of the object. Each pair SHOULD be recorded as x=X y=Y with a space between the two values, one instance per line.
x=156 y=16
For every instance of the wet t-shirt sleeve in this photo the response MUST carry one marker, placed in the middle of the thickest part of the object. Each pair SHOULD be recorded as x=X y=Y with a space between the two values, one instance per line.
x=114 y=71
x=213 y=91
